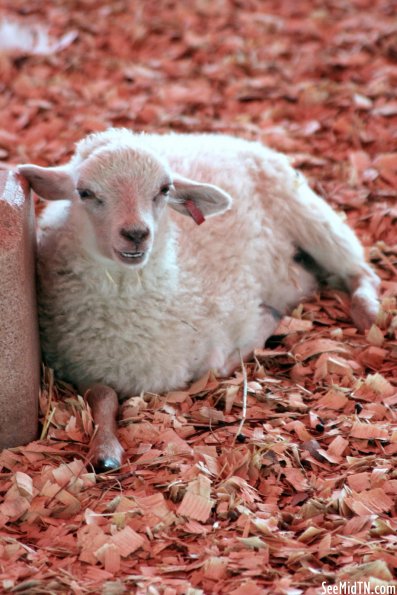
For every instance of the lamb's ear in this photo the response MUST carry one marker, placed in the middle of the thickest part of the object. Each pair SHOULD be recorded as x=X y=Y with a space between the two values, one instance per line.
x=51 y=183
x=198 y=200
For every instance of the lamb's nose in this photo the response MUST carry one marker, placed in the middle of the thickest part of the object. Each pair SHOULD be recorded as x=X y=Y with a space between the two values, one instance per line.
x=135 y=234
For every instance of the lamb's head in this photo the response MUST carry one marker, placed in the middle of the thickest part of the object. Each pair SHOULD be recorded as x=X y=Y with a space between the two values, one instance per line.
x=120 y=191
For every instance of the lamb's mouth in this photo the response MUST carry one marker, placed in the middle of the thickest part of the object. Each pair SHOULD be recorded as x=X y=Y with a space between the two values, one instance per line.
x=130 y=257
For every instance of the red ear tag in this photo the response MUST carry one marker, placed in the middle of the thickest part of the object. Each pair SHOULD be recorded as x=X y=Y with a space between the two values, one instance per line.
x=194 y=211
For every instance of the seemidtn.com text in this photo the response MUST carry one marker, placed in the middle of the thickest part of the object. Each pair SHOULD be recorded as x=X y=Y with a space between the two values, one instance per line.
x=358 y=588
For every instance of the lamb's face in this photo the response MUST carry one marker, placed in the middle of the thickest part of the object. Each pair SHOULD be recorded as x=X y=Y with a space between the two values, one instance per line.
x=119 y=190
x=122 y=194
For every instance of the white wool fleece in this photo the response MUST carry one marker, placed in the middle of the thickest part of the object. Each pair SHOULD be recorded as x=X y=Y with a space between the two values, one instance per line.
x=205 y=295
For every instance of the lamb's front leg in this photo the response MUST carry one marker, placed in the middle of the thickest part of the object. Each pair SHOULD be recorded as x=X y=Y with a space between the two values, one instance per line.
x=106 y=450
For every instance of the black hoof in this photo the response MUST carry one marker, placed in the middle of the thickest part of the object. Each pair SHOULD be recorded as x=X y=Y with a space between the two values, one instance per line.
x=107 y=464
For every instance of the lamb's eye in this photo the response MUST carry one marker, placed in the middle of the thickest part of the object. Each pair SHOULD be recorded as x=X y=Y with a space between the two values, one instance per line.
x=85 y=193
x=165 y=189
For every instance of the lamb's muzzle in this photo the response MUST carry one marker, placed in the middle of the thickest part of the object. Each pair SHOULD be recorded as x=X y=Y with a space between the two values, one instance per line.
x=136 y=235
x=133 y=296
x=135 y=244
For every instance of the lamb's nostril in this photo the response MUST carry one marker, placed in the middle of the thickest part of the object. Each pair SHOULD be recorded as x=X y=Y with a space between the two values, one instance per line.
x=135 y=234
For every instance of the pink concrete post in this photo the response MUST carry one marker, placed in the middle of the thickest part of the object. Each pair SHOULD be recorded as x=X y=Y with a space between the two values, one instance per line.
x=19 y=343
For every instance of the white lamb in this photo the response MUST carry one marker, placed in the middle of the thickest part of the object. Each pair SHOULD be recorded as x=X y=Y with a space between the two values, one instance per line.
x=134 y=296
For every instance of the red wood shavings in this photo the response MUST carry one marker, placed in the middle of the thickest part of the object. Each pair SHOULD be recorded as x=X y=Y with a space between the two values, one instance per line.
x=304 y=490
x=196 y=503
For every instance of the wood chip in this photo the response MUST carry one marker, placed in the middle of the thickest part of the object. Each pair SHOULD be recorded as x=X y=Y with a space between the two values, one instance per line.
x=369 y=431
x=196 y=503
x=314 y=347
x=127 y=541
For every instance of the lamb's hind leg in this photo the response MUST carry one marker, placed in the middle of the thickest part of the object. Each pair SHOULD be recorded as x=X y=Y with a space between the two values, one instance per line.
x=319 y=231
x=106 y=450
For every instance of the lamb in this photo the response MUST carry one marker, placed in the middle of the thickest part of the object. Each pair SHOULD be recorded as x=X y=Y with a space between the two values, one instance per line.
x=134 y=296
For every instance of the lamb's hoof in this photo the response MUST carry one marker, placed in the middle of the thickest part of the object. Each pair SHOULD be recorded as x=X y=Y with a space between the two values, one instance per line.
x=106 y=464
x=364 y=312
